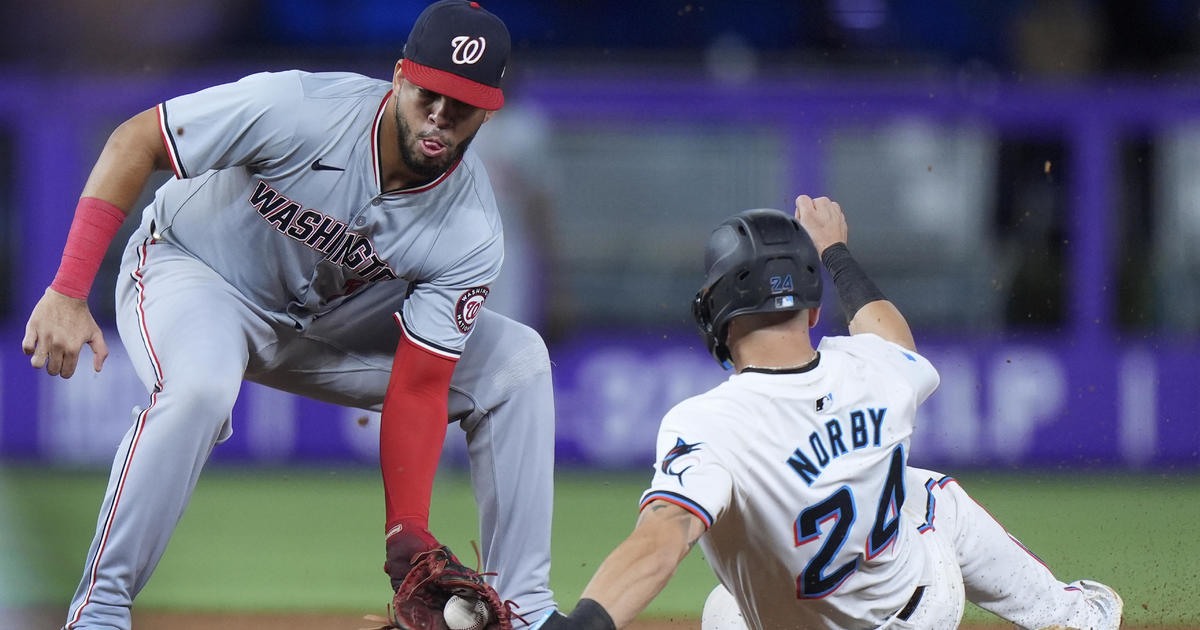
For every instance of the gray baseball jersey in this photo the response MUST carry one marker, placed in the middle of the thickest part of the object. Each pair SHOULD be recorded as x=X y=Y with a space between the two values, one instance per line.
x=275 y=257
x=304 y=225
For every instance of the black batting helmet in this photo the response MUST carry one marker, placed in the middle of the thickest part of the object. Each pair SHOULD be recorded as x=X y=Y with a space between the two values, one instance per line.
x=758 y=261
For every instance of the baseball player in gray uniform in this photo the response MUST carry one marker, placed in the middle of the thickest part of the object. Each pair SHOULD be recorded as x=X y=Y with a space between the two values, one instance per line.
x=329 y=235
x=793 y=474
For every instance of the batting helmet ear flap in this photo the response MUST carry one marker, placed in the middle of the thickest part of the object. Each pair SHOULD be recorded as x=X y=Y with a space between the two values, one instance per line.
x=713 y=339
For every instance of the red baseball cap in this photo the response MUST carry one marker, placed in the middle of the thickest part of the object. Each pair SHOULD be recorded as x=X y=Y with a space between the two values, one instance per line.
x=459 y=49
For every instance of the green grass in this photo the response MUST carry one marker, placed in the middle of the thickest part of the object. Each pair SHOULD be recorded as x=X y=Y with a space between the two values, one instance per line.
x=269 y=540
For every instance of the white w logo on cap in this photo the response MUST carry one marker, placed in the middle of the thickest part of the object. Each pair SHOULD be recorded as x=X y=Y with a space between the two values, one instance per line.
x=467 y=50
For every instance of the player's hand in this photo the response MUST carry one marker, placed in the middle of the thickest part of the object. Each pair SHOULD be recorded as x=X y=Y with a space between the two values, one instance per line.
x=56 y=332
x=822 y=218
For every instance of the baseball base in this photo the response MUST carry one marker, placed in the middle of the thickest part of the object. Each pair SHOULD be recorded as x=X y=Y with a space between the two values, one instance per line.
x=466 y=614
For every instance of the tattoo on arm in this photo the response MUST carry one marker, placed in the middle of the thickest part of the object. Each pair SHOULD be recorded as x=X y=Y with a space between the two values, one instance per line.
x=691 y=527
x=686 y=525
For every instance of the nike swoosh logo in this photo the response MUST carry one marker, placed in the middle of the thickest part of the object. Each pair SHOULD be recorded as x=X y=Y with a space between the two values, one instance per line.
x=318 y=166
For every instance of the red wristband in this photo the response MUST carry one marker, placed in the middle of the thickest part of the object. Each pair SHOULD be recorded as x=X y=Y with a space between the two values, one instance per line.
x=96 y=223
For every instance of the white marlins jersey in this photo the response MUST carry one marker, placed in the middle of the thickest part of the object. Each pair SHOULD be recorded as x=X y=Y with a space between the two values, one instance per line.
x=799 y=476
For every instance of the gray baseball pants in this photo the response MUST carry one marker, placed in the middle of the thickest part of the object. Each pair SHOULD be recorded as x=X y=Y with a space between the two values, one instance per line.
x=193 y=338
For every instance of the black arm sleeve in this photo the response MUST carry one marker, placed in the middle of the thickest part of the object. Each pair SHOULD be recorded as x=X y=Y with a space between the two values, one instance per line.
x=588 y=615
x=855 y=290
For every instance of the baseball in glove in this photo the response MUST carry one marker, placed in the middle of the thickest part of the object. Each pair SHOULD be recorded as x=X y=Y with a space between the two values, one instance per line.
x=433 y=576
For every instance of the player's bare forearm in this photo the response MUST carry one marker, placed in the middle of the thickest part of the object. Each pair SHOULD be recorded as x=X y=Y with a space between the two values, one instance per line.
x=884 y=319
x=640 y=567
x=133 y=152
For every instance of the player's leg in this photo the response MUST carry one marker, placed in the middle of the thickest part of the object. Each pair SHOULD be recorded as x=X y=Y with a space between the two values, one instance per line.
x=500 y=392
x=503 y=395
x=188 y=349
x=721 y=611
x=999 y=573
x=937 y=604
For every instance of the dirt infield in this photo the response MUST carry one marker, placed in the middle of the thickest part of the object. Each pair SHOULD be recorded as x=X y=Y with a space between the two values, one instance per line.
x=154 y=620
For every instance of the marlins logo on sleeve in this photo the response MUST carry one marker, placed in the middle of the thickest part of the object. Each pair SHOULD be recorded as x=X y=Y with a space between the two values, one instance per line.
x=689 y=471
x=676 y=462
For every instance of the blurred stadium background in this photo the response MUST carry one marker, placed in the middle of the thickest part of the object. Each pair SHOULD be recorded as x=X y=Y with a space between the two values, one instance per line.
x=1020 y=177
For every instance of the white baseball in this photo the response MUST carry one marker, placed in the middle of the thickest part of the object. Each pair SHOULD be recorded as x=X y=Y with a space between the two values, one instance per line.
x=466 y=614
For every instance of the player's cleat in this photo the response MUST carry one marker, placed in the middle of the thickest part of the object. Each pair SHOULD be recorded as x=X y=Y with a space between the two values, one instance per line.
x=1105 y=600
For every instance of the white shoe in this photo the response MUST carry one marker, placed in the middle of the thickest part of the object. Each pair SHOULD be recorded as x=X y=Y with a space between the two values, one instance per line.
x=1105 y=600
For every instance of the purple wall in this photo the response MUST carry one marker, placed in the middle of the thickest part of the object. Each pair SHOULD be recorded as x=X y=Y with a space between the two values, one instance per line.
x=1074 y=398
x=1017 y=401
x=1020 y=401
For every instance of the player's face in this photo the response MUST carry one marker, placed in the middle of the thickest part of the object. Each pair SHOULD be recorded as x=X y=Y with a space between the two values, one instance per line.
x=433 y=130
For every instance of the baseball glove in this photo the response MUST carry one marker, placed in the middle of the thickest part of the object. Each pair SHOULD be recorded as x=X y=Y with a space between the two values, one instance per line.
x=433 y=577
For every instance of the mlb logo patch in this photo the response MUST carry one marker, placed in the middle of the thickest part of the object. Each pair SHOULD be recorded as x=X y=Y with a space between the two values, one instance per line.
x=785 y=301
x=825 y=402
